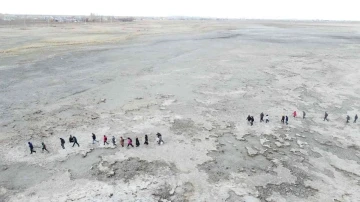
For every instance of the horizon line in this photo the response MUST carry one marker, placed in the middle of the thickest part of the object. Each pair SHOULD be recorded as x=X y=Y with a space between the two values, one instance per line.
x=185 y=16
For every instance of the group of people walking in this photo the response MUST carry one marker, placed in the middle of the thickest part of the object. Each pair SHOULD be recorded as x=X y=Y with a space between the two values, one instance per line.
x=129 y=140
x=73 y=140
x=285 y=119
x=250 y=119
x=43 y=147
x=348 y=118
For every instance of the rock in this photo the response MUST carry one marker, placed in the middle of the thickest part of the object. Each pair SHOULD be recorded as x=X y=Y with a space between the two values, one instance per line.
x=168 y=102
x=38 y=112
x=3 y=191
x=102 y=101
x=287 y=137
x=93 y=117
x=251 y=151
x=263 y=140
x=301 y=143
x=298 y=135
x=208 y=126
x=281 y=140
x=241 y=169
x=110 y=173
x=262 y=151
x=278 y=144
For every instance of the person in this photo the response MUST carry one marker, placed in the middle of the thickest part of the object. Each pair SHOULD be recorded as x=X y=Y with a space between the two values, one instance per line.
x=146 y=140
x=31 y=148
x=304 y=114
x=94 y=138
x=62 y=143
x=283 y=119
x=105 y=140
x=130 y=142
x=294 y=114
x=261 y=117
x=249 y=118
x=356 y=117
x=347 y=118
x=160 y=138
x=286 y=119
x=267 y=118
x=252 y=120
x=121 y=141
x=75 y=141
x=71 y=139
x=113 y=140
x=44 y=147
x=137 y=142
x=326 y=116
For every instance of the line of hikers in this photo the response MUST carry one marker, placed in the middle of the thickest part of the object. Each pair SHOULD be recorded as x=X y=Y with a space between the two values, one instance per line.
x=250 y=119
x=32 y=147
x=73 y=139
x=122 y=141
x=285 y=119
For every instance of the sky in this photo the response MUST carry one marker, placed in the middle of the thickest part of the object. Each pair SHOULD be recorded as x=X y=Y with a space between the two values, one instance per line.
x=250 y=9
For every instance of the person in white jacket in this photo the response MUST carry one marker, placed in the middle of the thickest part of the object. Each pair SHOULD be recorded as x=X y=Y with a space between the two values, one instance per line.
x=266 y=118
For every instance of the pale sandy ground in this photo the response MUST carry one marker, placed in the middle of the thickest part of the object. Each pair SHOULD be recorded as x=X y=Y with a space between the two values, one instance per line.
x=195 y=82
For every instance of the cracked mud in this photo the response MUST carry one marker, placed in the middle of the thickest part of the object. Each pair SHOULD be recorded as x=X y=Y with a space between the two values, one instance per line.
x=195 y=83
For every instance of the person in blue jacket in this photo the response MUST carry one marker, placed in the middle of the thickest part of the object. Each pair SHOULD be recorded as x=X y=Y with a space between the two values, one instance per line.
x=31 y=148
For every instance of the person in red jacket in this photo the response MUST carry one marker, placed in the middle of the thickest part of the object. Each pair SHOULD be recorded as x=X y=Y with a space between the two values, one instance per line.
x=130 y=142
x=105 y=140
x=294 y=114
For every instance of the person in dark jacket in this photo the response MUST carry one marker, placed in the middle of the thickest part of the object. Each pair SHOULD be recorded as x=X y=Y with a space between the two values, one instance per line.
x=105 y=140
x=146 y=140
x=113 y=140
x=347 y=119
x=75 y=141
x=44 y=147
x=356 y=117
x=287 y=120
x=326 y=116
x=283 y=119
x=71 y=139
x=137 y=142
x=122 y=141
x=31 y=148
x=248 y=118
x=252 y=120
x=304 y=114
x=94 y=138
x=62 y=141
x=261 y=117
